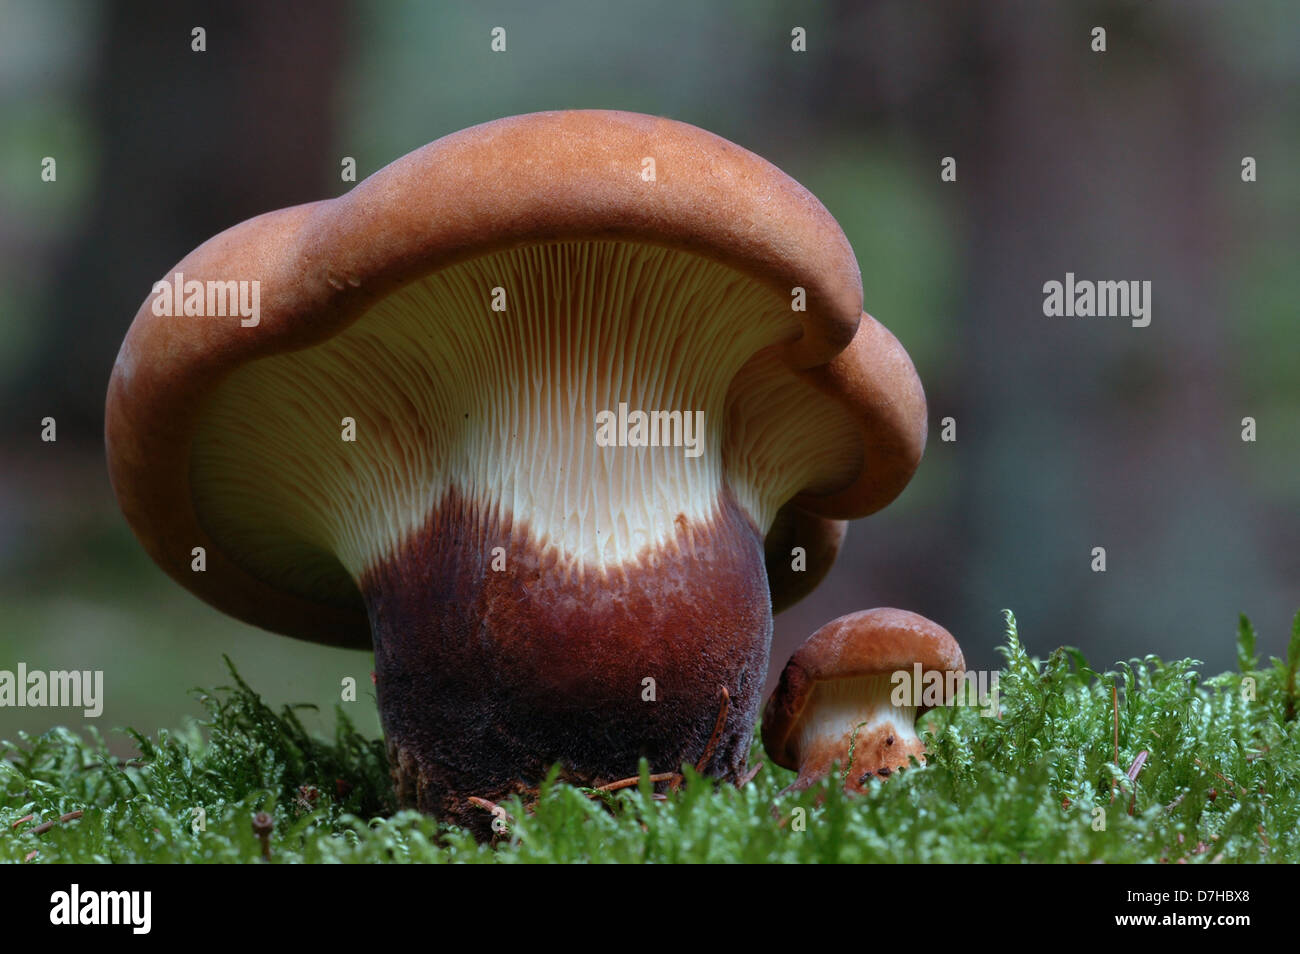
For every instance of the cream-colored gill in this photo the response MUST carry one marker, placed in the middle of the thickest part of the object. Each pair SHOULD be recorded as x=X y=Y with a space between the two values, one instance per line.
x=503 y=405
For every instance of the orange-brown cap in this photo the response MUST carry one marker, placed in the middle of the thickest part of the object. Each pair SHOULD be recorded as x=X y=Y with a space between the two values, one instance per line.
x=799 y=550
x=524 y=182
x=875 y=642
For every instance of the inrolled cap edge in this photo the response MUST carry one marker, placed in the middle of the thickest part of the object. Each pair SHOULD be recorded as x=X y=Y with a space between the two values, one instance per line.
x=875 y=380
x=821 y=539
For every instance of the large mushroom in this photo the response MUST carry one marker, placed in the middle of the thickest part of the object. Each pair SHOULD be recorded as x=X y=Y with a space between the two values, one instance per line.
x=850 y=695
x=586 y=359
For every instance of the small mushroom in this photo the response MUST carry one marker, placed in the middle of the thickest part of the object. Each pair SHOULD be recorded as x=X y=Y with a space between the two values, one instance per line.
x=836 y=699
x=577 y=396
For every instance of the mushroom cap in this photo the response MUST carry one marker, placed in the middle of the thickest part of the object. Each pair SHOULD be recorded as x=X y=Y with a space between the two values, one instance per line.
x=504 y=185
x=872 y=642
x=819 y=537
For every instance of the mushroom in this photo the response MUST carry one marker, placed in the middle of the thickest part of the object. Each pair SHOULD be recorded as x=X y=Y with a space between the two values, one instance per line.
x=518 y=411
x=852 y=692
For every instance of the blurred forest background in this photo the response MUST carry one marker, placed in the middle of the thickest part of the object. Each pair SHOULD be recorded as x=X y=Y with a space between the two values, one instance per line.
x=1071 y=433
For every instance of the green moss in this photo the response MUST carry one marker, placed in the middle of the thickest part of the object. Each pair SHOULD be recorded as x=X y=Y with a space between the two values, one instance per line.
x=1220 y=781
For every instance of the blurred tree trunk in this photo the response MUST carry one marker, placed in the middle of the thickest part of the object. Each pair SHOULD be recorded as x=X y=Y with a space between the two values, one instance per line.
x=190 y=144
x=1102 y=164
x=1118 y=436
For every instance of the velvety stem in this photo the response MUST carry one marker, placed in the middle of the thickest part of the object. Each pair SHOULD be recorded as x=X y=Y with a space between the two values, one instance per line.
x=489 y=676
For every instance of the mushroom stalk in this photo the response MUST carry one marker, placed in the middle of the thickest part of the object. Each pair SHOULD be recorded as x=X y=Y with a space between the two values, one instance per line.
x=487 y=678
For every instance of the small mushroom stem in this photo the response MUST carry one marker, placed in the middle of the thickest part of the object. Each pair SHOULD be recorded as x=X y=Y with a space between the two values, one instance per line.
x=857 y=726
x=487 y=678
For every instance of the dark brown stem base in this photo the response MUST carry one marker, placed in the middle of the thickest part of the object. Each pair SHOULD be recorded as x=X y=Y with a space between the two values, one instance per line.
x=489 y=677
